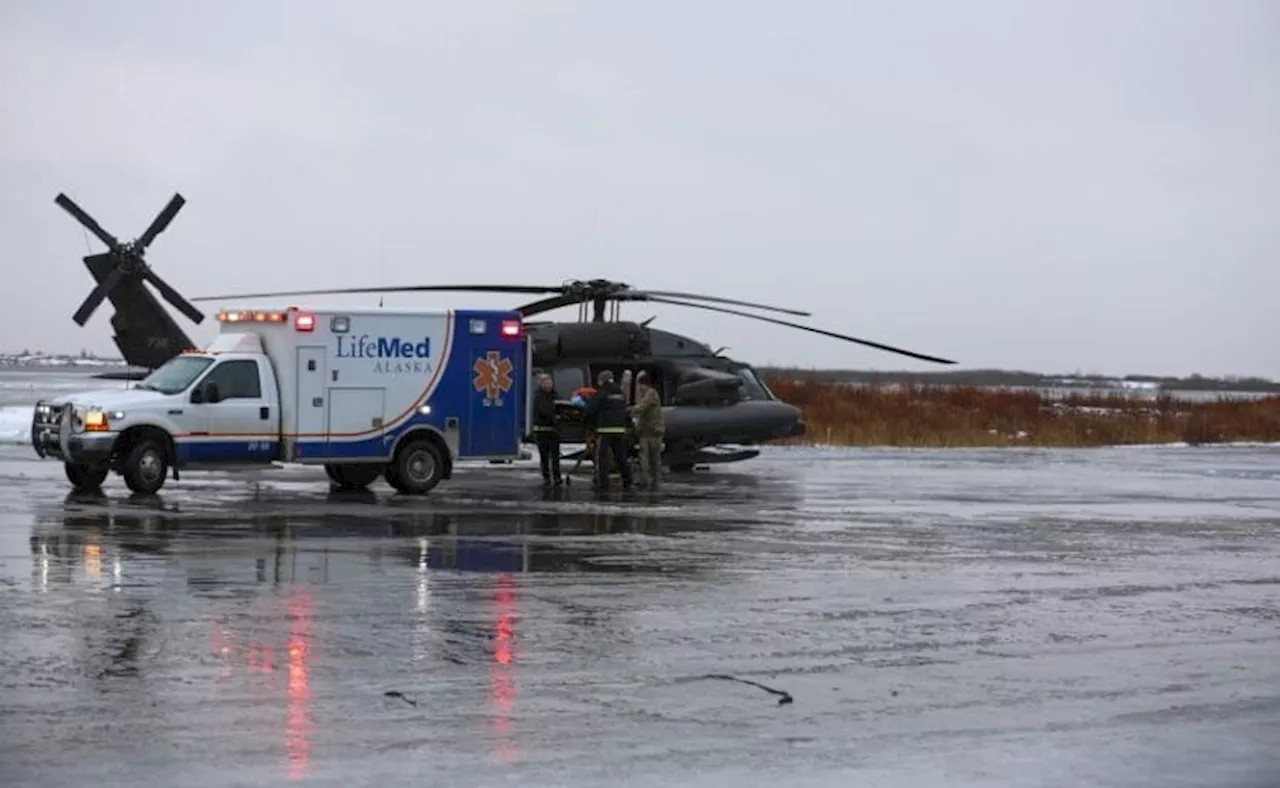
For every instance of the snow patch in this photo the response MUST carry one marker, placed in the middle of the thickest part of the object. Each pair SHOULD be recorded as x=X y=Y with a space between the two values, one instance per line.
x=15 y=424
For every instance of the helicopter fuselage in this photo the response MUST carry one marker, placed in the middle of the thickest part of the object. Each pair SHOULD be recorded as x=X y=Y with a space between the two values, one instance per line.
x=708 y=399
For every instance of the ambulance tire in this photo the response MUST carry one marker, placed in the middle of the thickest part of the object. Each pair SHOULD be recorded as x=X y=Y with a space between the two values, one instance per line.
x=86 y=477
x=145 y=467
x=417 y=468
x=353 y=477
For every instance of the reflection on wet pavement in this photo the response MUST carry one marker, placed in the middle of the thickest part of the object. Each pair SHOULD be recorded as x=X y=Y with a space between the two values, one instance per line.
x=939 y=618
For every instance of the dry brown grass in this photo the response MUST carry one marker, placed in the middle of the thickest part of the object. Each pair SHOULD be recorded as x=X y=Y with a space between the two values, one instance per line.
x=929 y=416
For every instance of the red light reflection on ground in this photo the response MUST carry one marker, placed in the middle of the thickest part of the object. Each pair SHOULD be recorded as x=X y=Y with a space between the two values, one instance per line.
x=297 y=719
x=501 y=678
x=260 y=661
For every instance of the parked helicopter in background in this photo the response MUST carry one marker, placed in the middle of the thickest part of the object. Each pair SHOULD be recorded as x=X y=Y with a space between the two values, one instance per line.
x=709 y=400
x=146 y=333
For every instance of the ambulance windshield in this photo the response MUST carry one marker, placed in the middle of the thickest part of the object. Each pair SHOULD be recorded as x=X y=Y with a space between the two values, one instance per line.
x=175 y=374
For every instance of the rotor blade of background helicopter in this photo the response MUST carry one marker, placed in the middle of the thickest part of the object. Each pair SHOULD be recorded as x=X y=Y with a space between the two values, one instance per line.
x=75 y=210
x=97 y=296
x=821 y=331
x=161 y=222
x=400 y=289
x=173 y=296
x=694 y=296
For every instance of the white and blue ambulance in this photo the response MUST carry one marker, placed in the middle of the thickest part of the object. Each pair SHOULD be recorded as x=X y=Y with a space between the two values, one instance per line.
x=365 y=393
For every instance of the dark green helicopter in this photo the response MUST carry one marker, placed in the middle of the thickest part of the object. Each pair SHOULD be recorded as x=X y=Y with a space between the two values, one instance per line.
x=710 y=400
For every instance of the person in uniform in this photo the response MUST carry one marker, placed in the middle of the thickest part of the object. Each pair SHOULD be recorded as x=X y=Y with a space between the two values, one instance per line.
x=650 y=426
x=608 y=409
x=544 y=431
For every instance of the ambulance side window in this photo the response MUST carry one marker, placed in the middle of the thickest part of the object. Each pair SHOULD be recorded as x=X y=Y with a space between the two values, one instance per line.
x=236 y=380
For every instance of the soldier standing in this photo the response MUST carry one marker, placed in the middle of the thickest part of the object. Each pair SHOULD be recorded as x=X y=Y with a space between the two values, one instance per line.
x=650 y=427
x=544 y=431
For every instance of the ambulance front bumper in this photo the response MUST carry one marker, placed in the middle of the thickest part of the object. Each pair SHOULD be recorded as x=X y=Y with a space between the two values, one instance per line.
x=52 y=436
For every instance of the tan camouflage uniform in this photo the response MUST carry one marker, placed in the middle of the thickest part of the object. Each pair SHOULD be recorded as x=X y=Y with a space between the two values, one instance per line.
x=650 y=427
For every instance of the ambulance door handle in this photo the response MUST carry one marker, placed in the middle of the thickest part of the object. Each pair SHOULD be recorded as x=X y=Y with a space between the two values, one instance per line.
x=317 y=402
x=335 y=374
x=311 y=365
x=264 y=412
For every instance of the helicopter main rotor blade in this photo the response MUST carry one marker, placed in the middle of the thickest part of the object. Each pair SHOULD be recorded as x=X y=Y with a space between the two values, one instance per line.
x=821 y=331
x=161 y=222
x=92 y=226
x=718 y=300
x=97 y=296
x=548 y=304
x=173 y=296
x=577 y=297
x=401 y=289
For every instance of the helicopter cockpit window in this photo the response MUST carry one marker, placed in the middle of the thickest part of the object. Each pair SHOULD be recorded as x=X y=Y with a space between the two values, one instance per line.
x=753 y=388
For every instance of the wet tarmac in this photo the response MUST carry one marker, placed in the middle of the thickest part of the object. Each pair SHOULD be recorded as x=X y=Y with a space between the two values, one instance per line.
x=938 y=618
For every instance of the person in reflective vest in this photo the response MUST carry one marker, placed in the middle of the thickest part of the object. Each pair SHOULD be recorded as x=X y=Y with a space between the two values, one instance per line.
x=544 y=431
x=607 y=408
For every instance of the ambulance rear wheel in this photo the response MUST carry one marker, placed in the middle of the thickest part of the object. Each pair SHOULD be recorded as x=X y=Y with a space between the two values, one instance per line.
x=86 y=477
x=353 y=477
x=417 y=468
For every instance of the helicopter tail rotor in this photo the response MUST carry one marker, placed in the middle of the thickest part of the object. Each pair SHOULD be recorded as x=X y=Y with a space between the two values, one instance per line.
x=128 y=258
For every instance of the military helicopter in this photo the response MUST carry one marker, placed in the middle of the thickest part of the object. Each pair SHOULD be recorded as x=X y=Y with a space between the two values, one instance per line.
x=709 y=399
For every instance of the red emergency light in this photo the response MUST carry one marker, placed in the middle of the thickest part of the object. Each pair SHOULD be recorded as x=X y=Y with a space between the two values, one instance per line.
x=510 y=328
x=304 y=322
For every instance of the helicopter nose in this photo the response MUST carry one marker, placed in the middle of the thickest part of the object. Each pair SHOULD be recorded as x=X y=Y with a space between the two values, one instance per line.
x=797 y=429
x=797 y=423
x=786 y=421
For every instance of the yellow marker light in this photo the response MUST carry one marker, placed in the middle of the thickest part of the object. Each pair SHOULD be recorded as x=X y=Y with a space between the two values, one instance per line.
x=245 y=316
x=95 y=421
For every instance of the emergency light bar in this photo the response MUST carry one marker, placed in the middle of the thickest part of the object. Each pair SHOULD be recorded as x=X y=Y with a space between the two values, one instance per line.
x=246 y=316
x=301 y=322
x=510 y=328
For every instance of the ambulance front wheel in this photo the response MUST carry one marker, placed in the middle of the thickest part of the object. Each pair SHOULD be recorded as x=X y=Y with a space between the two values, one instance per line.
x=145 y=467
x=86 y=477
x=417 y=468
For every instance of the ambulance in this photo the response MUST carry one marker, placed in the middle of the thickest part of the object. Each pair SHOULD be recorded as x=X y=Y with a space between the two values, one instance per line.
x=396 y=394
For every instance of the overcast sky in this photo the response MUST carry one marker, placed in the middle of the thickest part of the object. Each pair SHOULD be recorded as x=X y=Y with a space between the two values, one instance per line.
x=1055 y=186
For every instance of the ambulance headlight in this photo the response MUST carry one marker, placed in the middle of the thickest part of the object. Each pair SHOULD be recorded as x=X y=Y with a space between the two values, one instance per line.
x=96 y=420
